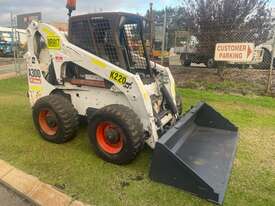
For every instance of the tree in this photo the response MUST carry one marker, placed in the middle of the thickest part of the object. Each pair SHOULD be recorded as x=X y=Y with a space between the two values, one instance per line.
x=213 y=21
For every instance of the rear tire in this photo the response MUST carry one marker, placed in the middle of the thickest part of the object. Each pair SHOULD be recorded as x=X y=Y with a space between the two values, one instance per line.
x=185 y=61
x=116 y=134
x=55 y=118
x=210 y=63
x=265 y=64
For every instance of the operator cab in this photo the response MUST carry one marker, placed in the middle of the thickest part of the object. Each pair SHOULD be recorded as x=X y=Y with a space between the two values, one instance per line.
x=116 y=37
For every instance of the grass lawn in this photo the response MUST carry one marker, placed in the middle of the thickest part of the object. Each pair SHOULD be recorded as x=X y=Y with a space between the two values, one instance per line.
x=75 y=169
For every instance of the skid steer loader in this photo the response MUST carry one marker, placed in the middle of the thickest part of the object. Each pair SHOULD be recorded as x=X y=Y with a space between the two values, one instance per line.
x=101 y=71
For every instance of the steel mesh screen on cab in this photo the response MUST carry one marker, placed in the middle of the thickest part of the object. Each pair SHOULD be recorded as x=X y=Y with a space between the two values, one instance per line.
x=81 y=36
x=135 y=47
x=104 y=40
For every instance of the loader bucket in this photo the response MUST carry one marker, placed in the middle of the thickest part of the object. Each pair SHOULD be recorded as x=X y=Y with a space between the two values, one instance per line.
x=197 y=154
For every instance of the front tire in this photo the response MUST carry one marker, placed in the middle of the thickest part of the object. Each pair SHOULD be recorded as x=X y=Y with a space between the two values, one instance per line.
x=55 y=118
x=116 y=134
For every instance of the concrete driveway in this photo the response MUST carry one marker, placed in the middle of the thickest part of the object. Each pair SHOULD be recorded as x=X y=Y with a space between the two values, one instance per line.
x=10 y=198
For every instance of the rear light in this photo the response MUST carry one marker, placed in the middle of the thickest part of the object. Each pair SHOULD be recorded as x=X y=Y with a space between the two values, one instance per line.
x=71 y=5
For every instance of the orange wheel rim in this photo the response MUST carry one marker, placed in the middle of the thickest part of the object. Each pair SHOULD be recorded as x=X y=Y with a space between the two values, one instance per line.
x=103 y=138
x=43 y=119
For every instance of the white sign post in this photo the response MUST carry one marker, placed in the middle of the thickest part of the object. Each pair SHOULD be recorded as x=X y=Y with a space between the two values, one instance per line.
x=234 y=52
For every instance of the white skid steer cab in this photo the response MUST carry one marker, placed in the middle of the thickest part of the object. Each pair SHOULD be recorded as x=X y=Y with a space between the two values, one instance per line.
x=101 y=71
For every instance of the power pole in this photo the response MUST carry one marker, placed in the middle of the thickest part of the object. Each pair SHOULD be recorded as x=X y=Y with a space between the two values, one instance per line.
x=13 y=40
x=163 y=37
x=270 y=75
x=151 y=22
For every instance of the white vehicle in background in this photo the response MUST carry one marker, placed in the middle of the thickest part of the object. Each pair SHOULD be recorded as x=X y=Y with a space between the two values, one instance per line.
x=10 y=38
x=187 y=51
x=261 y=58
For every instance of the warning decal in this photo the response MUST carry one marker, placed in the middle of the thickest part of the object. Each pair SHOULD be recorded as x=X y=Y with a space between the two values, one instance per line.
x=53 y=42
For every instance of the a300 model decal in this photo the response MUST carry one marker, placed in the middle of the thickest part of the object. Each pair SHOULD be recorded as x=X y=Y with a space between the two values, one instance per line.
x=34 y=76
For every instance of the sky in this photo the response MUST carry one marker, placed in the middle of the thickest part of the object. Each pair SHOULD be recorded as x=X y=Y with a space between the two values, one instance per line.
x=55 y=11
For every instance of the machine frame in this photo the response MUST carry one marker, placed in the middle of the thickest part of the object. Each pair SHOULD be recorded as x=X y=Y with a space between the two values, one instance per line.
x=136 y=96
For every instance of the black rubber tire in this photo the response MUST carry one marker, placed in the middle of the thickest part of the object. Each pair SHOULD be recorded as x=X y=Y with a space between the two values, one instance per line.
x=265 y=64
x=66 y=115
x=129 y=123
x=210 y=63
x=242 y=66
x=185 y=61
x=179 y=104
